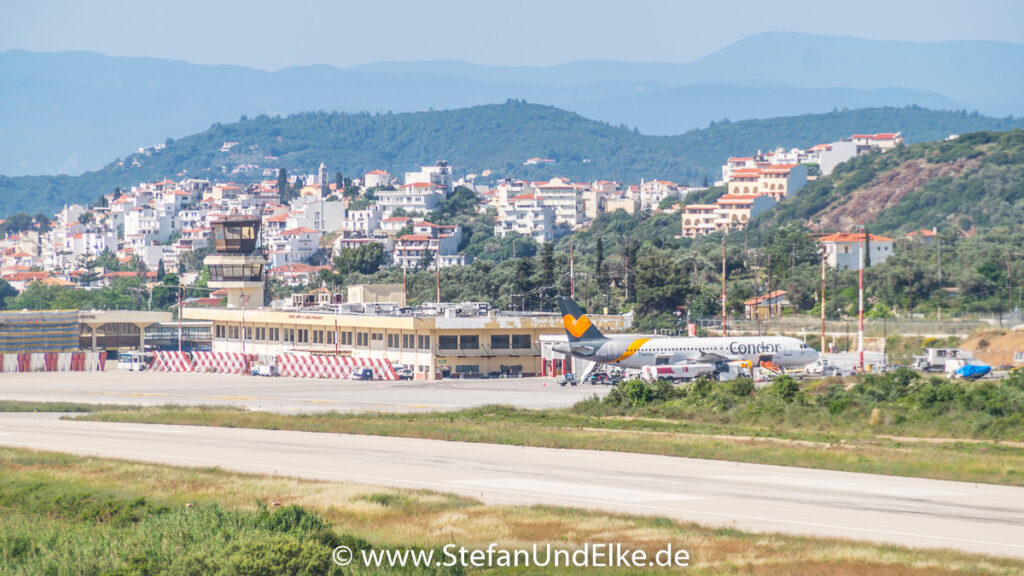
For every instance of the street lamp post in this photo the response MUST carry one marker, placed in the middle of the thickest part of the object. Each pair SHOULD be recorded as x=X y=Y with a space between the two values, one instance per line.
x=244 y=298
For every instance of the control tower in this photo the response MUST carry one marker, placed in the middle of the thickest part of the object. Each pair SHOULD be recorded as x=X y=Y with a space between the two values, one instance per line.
x=237 y=265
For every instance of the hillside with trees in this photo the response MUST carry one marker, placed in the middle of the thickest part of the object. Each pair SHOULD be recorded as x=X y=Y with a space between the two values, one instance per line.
x=975 y=181
x=496 y=137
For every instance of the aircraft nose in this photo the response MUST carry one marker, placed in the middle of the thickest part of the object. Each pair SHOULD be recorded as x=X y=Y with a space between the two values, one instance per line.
x=561 y=348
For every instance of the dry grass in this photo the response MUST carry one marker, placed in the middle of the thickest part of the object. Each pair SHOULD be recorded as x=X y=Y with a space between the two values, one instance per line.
x=402 y=517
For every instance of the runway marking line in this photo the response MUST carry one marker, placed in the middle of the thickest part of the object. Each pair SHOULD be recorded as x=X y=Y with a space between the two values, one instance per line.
x=844 y=486
x=235 y=398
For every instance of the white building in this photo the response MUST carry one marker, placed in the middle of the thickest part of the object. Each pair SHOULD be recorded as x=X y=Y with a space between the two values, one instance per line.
x=527 y=215
x=834 y=154
x=884 y=141
x=362 y=222
x=395 y=224
x=565 y=198
x=144 y=225
x=348 y=243
x=376 y=179
x=440 y=175
x=842 y=250
x=317 y=214
x=413 y=198
x=777 y=181
x=653 y=192
x=442 y=242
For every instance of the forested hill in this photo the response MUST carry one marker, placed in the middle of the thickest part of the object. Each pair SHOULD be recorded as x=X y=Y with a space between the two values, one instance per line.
x=497 y=137
x=973 y=182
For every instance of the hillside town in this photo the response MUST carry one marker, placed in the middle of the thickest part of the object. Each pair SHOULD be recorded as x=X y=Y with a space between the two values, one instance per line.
x=166 y=225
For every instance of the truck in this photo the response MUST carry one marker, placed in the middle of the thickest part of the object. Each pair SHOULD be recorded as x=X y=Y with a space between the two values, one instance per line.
x=937 y=359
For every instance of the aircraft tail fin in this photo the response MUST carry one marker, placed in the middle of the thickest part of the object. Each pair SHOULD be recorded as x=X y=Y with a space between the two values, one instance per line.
x=577 y=325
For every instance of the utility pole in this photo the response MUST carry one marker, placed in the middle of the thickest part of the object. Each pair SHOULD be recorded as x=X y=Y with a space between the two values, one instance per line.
x=572 y=275
x=179 y=317
x=822 y=299
x=860 y=303
x=245 y=300
x=723 y=284
x=627 y=270
x=437 y=267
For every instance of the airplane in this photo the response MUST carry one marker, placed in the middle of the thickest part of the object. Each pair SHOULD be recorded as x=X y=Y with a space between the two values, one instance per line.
x=624 y=351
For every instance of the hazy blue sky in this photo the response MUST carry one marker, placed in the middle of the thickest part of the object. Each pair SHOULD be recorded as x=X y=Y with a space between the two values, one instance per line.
x=276 y=34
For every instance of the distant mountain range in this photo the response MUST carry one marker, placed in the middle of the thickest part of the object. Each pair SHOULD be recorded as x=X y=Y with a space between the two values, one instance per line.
x=74 y=111
x=497 y=137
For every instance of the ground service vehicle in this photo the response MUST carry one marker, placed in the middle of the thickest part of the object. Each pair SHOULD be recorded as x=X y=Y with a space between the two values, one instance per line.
x=134 y=361
x=564 y=379
x=362 y=374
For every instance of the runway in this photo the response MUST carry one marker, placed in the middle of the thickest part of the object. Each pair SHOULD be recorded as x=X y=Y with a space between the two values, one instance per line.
x=287 y=395
x=884 y=509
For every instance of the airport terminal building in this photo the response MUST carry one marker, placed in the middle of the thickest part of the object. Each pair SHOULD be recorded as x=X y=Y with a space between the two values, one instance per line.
x=435 y=341
x=374 y=323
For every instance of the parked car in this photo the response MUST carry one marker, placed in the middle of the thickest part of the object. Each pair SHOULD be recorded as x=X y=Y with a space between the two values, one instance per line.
x=362 y=374
x=564 y=379
x=404 y=373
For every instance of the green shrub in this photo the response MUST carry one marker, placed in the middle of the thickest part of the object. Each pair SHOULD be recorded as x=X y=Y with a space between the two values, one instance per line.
x=784 y=388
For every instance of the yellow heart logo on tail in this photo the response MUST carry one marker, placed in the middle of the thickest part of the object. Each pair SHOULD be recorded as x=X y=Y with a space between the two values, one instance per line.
x=576 y=327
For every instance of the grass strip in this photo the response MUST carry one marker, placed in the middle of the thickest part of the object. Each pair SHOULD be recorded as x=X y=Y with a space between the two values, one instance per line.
x=88 y=516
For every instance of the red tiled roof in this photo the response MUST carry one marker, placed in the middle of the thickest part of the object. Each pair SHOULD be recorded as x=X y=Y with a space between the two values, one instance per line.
x=206 y=302
x=129 y=274
x=737 y=200
x=769 y=296
x=298 y=231
x=299 y=268
x=26 y=276
x=779 y=168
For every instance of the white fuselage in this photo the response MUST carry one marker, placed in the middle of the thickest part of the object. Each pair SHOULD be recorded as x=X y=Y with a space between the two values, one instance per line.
x=631 y=352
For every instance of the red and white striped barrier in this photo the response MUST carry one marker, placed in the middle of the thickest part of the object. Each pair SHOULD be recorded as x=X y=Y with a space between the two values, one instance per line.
x=171 y=361
x=52 y=361
x=337 y=367
x=223 y=362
